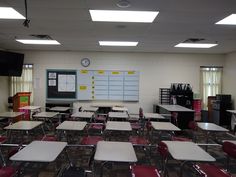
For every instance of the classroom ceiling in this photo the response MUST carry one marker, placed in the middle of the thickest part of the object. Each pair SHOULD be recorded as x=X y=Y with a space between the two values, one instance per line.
x=69 y=22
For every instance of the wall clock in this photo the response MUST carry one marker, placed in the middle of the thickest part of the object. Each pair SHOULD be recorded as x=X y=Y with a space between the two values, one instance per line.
x=85 y=62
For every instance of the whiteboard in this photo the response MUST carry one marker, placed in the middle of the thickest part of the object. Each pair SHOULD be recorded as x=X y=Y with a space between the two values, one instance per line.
x=108 y=85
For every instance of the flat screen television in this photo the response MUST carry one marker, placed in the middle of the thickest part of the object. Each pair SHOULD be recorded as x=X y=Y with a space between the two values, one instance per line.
x=11 y=63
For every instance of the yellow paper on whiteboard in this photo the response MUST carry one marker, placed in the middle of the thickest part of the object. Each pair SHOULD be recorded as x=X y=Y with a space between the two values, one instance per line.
x=115 y=72
x=83 y=71
x=131 y=72
x=101 y=71
x=83 y=87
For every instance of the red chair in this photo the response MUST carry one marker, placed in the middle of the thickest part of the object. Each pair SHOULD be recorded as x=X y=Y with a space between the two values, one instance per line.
x=101 y=118
x=96 y=128
x=176 y=138
x=163 y=151
x=91 y=140
x=210 y=170
x=7 y=171
x=230 y=149
x=3 y=139
x=49 y=138
x=144 y=170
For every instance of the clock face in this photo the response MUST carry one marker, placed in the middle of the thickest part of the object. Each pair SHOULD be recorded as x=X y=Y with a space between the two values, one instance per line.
x=85 y=62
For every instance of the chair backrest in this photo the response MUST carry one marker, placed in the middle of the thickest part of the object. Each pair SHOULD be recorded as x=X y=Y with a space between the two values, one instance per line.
x=192 y=125
x=229 y=148
x=163 y=150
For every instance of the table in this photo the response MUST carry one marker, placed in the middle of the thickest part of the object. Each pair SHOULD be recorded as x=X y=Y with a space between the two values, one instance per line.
x=31 y=109
x=90 y=109
x=118 y=115
x=109 y=151
x=153 y=116
x=23 y=126
x=10 y=115
x=83 y=115
x=118 y=108
x=71 y=126
x=185 y=115
x=47 y=116
x=60 y=109
x=210 y=127
x=118 y=126
x=187 y=152
x=233 y=119
x=163 y=126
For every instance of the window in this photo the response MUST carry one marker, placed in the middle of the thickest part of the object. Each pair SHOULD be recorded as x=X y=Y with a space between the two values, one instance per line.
x=211 y=82
x=23 y=83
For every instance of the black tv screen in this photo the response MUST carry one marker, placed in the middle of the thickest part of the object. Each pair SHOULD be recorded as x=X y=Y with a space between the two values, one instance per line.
x=11 y=63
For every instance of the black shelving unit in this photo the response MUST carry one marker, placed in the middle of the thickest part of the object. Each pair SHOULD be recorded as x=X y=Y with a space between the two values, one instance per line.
x=182 y=93
x=164 y=95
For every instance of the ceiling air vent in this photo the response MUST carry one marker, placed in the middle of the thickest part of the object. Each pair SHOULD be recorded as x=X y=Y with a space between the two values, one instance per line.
x=41 y=36
x=193 y=40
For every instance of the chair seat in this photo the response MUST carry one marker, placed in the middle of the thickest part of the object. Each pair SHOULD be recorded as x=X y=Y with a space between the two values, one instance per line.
x=3 y=139
x=176 y=138
x=49 y=138
x=209 y=170
x=96 y=126
x=7 y=171
x=138 y=140
x=144 y=171
x=135 y=126
x=91 y=140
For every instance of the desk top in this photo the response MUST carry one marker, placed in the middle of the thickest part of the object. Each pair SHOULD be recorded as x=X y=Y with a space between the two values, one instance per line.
x=188 y=151
x=118 y=108
x=164 y=126
x=83 y=114
x=11 y=114
x=30 y=107
x=211 y=127
x=23 y=125
x=175 y=108
x=122 y=115
x=72 y=125
x=148 y=115
x=115 y=152
x=46 y=114
x=90 y=109
x=60 y=108
x=40 y=151
x=231 y=111
x=118 y=126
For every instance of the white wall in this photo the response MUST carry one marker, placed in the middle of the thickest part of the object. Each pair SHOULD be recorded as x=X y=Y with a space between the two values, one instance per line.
x=4 y=92
x=156 y=70
x=229 y=76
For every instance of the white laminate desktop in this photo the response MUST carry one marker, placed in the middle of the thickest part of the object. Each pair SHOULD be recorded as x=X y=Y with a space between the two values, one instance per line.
x=115 y=152
x=118 y=115
x=153 y=116
x=23 y=125
x=164 y=126
x=211 y=127
x=46 y=114
x=175 y=108
x=40 y=151
x=72 y=125
x=118 y=126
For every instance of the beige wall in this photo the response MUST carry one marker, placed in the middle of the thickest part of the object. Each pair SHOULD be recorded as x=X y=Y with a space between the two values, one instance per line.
x=156 y=70
x=229 y=76
x=4 y=92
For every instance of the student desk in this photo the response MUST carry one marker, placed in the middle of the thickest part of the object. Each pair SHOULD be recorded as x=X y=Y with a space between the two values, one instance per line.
x=90 y=109
x=60 y=109
x=119 y=109
x=112 y=126
x=46 y=116
x=118 y=115
x=185 y=115
x=10 y=115
x=71 y=126
x=153 y=116
x=23 y=126
x=83 y=115
x=109 y=151
x=31 y=109
x=187 y=152
x=210 y=127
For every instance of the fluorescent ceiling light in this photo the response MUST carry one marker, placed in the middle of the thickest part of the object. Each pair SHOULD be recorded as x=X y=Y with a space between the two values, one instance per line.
x=36 y=41
x=230 y=20
x=117 y=43
x=10 y=13
x=195 y=45
x=123 y=16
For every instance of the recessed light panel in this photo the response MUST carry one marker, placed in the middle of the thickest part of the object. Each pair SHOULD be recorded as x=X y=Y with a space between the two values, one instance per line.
x=40 y=42
x=195 y=45
x=10 y=13
x=123 y=16
x=230 y=20
x=118 y=43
